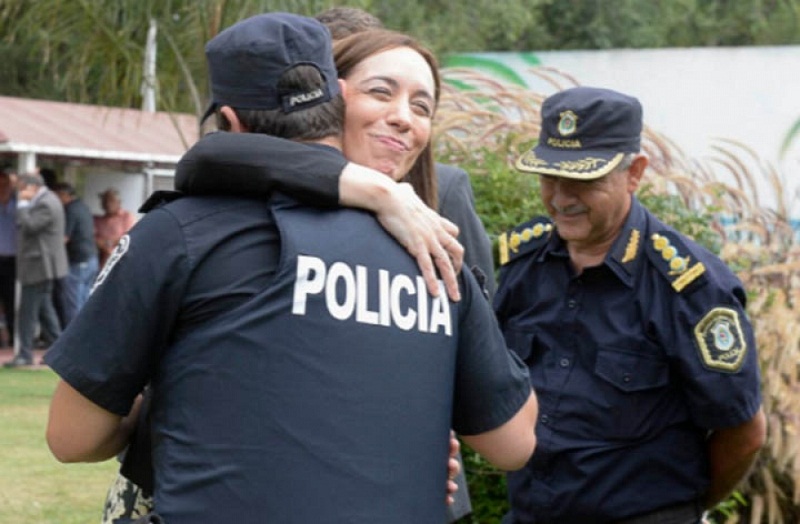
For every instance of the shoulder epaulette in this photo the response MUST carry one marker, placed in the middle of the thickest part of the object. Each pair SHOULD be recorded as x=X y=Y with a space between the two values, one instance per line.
x=158 y=199
x=523 y=239
x=674 y=260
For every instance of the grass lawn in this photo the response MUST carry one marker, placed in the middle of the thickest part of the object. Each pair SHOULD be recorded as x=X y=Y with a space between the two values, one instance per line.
x=34 y=487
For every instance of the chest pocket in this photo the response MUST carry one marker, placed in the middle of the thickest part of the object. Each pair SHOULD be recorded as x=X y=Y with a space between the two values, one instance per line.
x=630 y=396
x=630 y=372
x=520 y=342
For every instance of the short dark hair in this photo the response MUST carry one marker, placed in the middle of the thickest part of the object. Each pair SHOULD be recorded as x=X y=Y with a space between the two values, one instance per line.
x=344 y=21
x=320 y=121
x=64 y=187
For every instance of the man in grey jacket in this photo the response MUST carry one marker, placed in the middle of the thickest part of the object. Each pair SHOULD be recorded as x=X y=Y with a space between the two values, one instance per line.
x=41 y=260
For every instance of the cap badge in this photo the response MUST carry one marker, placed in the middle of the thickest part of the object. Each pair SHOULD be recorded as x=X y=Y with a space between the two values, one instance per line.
x=568 y=123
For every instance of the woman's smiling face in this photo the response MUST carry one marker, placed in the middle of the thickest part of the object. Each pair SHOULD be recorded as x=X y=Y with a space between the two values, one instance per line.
x=389 y=100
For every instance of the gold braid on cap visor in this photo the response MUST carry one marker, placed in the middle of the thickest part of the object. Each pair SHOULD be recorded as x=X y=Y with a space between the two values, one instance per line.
x=587 y=168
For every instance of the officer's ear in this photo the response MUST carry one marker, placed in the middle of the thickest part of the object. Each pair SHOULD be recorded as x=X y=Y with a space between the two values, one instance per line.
x=234 y=124
x=343 y=89
x=636 y=172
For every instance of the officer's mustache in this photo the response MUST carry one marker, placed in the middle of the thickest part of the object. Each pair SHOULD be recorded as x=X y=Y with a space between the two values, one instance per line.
x=575 y=209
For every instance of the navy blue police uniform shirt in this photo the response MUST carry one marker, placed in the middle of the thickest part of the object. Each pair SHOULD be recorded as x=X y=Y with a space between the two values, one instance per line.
x=272 y=353
x=634 y=361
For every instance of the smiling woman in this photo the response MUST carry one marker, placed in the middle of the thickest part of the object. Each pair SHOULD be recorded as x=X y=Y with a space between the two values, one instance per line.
x=391 y=89
x=390 y=102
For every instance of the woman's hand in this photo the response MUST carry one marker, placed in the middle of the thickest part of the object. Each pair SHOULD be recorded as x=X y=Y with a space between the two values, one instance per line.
x=429 y=238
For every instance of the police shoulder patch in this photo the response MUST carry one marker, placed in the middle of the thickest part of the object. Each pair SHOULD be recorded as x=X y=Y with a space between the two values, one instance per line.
x=671 y=256
x=720 y=339
x=523 y=239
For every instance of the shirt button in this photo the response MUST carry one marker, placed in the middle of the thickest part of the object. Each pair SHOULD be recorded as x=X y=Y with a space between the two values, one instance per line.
x=626 y=377
x=571 y=304
x=545 y=419
x=564 y=362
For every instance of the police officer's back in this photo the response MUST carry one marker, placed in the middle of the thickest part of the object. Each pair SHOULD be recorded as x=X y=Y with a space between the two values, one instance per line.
x=300 y=371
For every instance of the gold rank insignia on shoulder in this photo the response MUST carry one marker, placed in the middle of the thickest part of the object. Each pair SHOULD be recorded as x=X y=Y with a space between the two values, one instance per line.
x=720 y=339
x=523 y=239
x=633 y=246
x=671 y=257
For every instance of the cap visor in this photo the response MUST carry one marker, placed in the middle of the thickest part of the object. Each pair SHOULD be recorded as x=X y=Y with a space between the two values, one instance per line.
x=578 y=165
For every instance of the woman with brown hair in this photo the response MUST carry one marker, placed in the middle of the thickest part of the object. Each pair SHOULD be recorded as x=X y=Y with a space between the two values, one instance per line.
x=391 y=83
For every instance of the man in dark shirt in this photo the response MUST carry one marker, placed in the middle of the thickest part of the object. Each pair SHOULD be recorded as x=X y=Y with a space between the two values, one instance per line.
x=636 y=338
x=73 y=289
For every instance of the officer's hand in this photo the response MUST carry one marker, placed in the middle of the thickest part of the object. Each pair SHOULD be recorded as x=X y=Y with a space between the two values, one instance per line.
x=453 y=468
x=428 y=237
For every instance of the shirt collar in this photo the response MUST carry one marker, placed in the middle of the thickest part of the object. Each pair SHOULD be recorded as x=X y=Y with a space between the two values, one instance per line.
x=626 y=253
x=555 y=246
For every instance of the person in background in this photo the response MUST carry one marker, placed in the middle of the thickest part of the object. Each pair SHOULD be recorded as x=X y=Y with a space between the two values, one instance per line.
x=81 y=253
x=111 y=225
x=49 y=176
x=343 y=21
x=41 y=260
x=636 y=338
x=233 y=292
x=8 y=251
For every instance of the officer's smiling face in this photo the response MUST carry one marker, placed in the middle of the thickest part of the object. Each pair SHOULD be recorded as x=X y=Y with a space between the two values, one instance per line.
x=589 y=213
x=389 y=100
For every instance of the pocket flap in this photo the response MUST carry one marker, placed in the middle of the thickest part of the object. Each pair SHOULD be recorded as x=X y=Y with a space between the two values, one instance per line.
x=629 y=371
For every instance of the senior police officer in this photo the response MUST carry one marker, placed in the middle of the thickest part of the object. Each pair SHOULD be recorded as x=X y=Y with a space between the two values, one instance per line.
x=300 y=372
x=636 y=338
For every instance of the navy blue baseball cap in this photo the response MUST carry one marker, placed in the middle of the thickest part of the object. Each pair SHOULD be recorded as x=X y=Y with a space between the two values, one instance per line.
x=247 y=59
x=585 y=134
